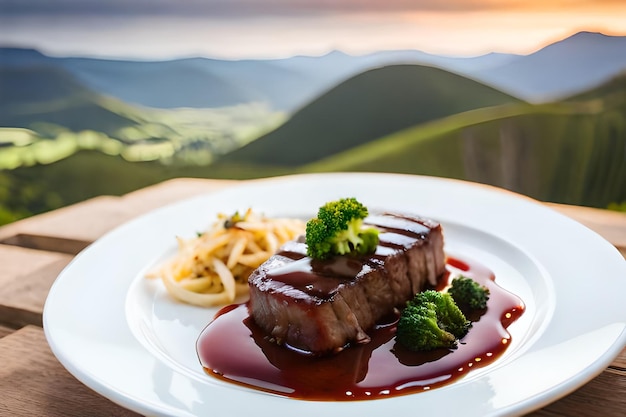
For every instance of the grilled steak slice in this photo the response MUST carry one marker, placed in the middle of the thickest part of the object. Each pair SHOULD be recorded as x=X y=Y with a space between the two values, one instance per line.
x=321 y=306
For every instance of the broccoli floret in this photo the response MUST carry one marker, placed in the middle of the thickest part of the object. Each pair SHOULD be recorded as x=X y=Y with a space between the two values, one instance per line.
x=338 y=230
x=449 y=316
x=418 y=329
x=431 y=320
x=468 y=293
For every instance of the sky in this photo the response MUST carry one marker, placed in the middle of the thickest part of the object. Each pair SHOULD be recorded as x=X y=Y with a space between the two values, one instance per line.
x=234 y=29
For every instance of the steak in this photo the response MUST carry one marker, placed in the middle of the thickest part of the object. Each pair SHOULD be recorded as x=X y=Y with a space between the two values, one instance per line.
x=321 y=306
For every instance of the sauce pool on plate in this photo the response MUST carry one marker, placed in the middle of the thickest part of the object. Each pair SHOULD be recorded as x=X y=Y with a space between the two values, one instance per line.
x=234 y=349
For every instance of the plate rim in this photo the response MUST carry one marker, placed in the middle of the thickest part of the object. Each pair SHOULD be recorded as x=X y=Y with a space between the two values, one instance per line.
x=140 y=405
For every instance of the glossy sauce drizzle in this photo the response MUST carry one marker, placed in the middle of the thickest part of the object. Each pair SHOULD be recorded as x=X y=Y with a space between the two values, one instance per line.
x=234 y=349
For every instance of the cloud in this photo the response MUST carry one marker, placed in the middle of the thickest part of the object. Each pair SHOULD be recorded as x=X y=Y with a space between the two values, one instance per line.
x=236 y=7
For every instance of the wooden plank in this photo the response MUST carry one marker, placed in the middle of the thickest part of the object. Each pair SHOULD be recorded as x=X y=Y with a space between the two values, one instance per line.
x=82 y=222
x=26 y=278
x=611 y=225
x=172 y=191
x=603 y=396
x=34 y=383
x=72 y=228
x=47 y=243
x=4 y=330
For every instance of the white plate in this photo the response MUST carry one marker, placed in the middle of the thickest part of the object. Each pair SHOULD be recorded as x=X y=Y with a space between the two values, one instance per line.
x=121 y=335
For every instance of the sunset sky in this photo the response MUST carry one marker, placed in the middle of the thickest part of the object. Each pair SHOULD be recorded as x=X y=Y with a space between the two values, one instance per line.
x=156 y=29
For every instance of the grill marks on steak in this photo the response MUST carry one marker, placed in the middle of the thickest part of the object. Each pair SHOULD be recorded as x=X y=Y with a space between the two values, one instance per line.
x=322 y=306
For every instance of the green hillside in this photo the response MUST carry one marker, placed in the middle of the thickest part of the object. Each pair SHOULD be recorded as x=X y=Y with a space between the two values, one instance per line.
x=569 y=152
x=43 y=96
x=367 y=107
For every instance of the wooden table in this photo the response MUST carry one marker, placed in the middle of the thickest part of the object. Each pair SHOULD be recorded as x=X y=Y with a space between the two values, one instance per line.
x=33 y=252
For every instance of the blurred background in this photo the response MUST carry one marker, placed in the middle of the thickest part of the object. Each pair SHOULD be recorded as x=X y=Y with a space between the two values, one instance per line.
x=107 y=97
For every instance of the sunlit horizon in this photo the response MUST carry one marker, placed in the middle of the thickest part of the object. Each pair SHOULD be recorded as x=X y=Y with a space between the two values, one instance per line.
x=516 y=29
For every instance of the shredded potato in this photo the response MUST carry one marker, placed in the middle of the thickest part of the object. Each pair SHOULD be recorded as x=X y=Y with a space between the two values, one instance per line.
x=213 y=268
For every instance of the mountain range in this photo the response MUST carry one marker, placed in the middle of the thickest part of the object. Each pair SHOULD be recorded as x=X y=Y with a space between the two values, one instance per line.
x=367 y=107
x=563 y=68
x=551 y=125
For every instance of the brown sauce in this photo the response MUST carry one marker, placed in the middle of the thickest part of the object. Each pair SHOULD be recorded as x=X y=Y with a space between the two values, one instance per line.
x=232 y=348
